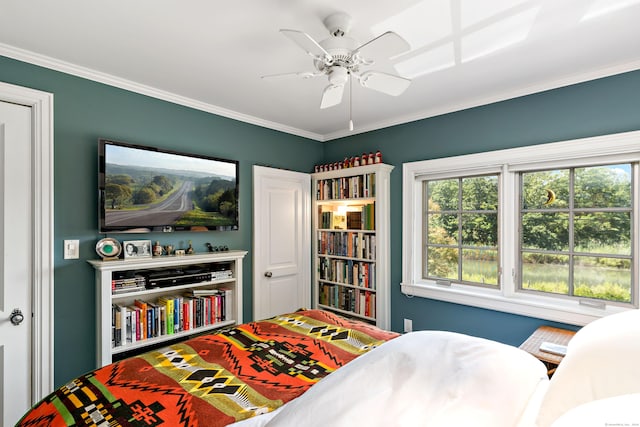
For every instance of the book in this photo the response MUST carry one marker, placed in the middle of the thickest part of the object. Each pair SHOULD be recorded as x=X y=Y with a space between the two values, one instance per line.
x=354 y=220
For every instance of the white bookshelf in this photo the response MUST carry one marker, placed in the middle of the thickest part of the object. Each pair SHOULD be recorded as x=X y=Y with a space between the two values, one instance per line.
x=105 y=298
x=352 y=261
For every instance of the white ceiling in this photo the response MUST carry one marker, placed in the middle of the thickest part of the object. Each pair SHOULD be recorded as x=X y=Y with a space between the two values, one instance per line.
x=211 y=54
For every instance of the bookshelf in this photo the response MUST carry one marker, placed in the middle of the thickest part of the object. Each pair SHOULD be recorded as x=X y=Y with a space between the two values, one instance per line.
x=351 y=244
x=123 y=285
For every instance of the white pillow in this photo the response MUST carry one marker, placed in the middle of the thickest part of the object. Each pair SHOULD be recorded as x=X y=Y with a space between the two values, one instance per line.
x=601 y=362
x=434 y=377
x=613 y=411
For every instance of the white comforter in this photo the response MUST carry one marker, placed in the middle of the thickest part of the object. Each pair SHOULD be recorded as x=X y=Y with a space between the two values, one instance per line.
x=426 y=378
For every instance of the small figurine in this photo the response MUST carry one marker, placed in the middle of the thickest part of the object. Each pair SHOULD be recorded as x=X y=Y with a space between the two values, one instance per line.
x=378 y=157
x=157 y=249
x=190 y=249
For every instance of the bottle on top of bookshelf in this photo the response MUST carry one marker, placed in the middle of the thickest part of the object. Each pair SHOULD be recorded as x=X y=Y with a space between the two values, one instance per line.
x=147 y=301
x=351 y=245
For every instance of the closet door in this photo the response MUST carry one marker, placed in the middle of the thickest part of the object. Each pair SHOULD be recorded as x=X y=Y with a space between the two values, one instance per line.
x=281 y=241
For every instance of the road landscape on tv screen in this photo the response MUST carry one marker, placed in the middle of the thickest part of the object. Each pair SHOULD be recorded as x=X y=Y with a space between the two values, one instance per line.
x=151 y=190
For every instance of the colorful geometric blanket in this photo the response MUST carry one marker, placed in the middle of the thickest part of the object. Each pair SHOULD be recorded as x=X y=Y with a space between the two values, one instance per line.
x=212 y=380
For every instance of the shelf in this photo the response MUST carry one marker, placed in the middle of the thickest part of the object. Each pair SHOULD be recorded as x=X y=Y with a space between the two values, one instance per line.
x=347 y=313
x=346 y=230
x=107 y=271
x=348 y=258
x=356 y=201
x=159 y=291
x=352 y=242
x=346 y=285
x=155 y=340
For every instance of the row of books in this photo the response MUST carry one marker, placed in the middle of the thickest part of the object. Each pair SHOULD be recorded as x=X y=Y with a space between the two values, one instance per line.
x=352 y=187
x=169 y=314
x=348 y=244
x=348 y=299
x=356 y=273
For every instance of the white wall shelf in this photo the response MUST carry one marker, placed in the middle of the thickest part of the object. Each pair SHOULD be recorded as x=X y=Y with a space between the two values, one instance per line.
x=352 y=259
x=105 y=298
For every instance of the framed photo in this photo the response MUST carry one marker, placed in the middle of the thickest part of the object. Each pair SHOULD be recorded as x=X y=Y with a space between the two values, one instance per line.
x=137 y=249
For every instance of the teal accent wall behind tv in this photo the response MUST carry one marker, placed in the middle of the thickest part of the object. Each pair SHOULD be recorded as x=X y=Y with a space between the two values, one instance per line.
x=86 y=110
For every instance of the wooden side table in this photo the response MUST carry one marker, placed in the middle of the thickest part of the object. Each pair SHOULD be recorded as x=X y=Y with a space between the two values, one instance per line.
x=550 y=334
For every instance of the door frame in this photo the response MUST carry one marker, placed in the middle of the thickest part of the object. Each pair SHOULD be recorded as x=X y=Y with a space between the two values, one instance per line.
x=284 y=174
x=41 y=104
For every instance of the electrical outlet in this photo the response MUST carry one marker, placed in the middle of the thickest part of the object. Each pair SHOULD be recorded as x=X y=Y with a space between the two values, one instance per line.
x=71 y=249
x=408 y=325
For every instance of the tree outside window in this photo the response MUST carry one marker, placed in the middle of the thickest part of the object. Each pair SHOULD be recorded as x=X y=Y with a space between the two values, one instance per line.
x=575 y=232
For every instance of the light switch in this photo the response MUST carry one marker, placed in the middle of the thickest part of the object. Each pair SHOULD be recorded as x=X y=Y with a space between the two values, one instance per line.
x=71 y=249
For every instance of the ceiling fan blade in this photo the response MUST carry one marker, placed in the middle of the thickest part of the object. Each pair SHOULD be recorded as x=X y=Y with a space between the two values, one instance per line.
x=383 y=82
x=386 y=45
x=309 y=45
x=332 y=95
x=300 y=74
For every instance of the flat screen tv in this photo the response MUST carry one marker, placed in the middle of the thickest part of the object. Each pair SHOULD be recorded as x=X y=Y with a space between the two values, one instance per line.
x=146 y=189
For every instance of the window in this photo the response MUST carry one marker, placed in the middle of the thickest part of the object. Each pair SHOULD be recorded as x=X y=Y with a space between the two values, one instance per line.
x=461 y=230
x=575 y=237
x=545 y=231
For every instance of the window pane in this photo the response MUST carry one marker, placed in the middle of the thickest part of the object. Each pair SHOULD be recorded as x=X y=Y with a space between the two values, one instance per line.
x=442 y=229
x=546 y=231
x=480 y=193
x=545 y=189
x=480 y=266
x=603 y=186
x=603 y=233
x=480 y=229
x=603 y=278
x=442 y=263
x=546 y=273
x=443 y=195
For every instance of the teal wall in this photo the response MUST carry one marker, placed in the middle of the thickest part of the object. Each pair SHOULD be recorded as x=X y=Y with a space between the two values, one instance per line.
x=598 y=107
x=85 y=111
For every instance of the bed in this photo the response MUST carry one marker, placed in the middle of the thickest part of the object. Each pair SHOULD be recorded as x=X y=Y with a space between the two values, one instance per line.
x=214 y=379
x=313 y=368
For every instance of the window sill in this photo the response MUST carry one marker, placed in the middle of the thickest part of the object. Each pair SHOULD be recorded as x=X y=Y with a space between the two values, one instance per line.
x=524 y=304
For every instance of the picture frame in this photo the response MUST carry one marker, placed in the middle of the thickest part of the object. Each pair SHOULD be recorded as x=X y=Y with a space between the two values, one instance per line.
x=137 y=249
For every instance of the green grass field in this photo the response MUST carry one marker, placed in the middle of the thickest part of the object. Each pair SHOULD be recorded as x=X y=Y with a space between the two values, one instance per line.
x=591 y=281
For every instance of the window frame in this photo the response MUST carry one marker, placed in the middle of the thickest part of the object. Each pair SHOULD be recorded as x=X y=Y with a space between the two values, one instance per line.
x=622 y=147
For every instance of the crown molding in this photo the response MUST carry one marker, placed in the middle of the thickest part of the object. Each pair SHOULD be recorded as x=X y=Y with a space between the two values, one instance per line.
x=100 y=77
x=108 y=79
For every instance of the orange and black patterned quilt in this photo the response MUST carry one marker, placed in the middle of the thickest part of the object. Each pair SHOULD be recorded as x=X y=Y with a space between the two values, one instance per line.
x=215 y=379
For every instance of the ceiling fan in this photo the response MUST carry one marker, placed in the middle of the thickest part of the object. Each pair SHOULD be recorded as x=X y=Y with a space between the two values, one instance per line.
x=341 y=58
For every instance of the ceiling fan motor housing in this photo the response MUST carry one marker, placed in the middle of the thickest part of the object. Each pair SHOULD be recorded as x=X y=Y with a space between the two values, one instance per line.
x=341 y=50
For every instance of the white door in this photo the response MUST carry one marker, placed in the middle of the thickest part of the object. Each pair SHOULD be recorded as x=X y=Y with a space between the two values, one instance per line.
x=281 y=241
x=15 y=260
x=26 y=249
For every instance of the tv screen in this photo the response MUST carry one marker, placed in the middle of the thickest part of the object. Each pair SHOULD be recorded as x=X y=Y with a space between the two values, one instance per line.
x=145 y=189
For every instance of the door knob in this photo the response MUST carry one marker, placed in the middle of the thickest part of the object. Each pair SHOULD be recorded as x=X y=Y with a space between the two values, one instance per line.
x=268 y=274
x=16 y=317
